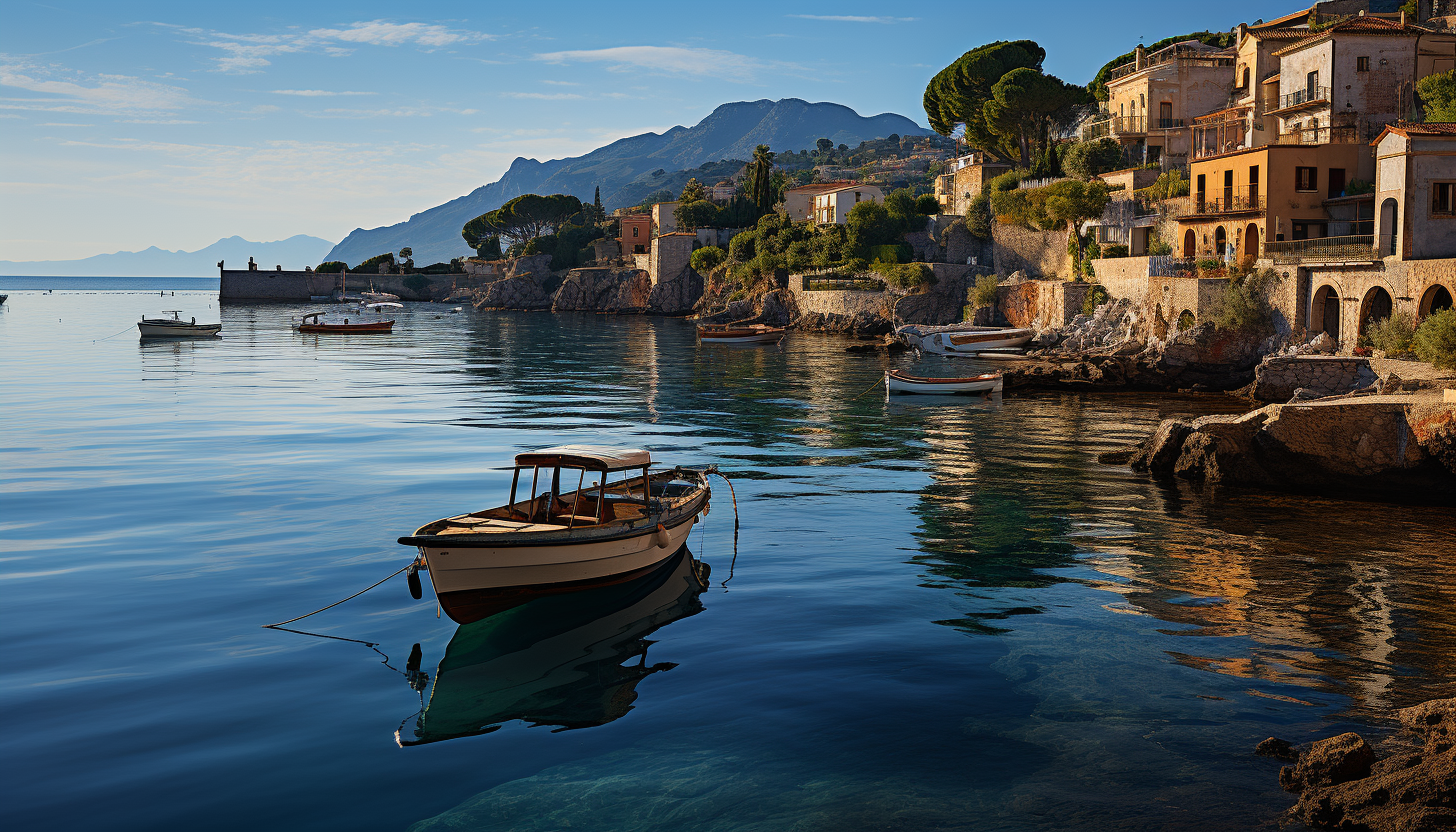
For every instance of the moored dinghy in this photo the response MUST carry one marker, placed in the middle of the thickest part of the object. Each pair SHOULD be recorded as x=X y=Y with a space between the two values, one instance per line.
x=898 y=382
x=175 y=327
x=963 y=339
x=740 y=333
x=563 y=538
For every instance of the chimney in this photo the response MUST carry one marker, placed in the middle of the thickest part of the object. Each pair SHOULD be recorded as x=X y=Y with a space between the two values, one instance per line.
x=1402 y=18
x=1243 y=31
x=1140 y=57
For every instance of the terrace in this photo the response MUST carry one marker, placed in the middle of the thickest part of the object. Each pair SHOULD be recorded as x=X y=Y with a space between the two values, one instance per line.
x=1354 y=248
x=1191 y=52
x=1226 y=201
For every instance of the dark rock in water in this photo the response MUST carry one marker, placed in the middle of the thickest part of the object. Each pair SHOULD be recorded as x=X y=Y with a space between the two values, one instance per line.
x=1343 y=787
x=1119 y=457
x=1161 y=451
x=1278 y=749
x=1329 y=762
x=896 y=347
x=862 y=349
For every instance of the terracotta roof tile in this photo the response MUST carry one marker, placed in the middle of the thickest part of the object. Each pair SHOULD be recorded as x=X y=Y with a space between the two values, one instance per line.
x=1362 y=24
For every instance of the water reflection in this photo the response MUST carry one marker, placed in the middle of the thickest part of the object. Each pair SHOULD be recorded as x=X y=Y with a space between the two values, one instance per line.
x=572 y=661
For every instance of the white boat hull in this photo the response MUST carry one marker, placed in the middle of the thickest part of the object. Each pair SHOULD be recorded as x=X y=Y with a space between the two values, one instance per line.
x=463 y=569
x=162 y=330
x=943 y=387
x=943 y=343
x=770 y=338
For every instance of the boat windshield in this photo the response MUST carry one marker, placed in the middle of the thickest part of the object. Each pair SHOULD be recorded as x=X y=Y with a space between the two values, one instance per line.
x=575 y=496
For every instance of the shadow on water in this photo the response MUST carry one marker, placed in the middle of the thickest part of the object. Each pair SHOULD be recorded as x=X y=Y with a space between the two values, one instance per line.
x=571 y=661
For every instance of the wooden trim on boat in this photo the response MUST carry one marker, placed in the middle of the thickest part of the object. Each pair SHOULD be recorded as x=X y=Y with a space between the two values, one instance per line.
x=896 y=374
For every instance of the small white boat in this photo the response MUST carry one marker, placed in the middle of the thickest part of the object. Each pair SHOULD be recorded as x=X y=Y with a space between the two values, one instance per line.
x=561 y=539
x=963 y=339
x=175 y=327
x=740 y=333
x=373 y=297
x=898 y=382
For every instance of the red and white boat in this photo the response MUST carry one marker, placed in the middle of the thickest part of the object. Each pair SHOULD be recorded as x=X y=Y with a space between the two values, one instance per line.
x=560 y=538
x=315 y=322
x=740 y=333
x=898 y=382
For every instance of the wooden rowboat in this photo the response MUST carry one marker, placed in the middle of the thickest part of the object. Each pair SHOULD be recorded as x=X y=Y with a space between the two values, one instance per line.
x=898 y=382
x=560 y=539
x=175 y=327
x=314 y=323
x=740 y=333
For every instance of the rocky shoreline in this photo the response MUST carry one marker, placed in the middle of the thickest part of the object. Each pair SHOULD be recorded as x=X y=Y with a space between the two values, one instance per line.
x=1343 y=785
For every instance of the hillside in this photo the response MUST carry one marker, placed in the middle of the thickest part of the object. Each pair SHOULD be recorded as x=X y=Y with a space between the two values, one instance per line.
x=622 y=169
x=292 y=253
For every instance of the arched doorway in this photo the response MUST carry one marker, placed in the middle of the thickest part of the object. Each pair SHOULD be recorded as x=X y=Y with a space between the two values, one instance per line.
x=1186 y=320
x=1376 y=306
x=1435 y=299
x=1220 y=241
x=1324 y=313
x=1251 y=242
x=1190 y=244
x=1389 y=227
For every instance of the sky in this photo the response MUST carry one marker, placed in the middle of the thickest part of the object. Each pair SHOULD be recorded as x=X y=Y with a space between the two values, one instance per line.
x=127 y=125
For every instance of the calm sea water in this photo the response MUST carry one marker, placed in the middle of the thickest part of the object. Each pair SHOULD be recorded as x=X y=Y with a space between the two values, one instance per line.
x=942 y=615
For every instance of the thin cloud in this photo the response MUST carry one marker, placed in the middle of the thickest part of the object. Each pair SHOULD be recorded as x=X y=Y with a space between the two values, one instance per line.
x=319 y=93
x=56 y=89
x=676 y=60
x=544 y=96
x=250 y=52
x=854 y=18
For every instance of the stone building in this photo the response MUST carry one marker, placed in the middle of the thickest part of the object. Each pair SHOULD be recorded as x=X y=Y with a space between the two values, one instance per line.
x=1415 y=191
x=964 y=179
x=664 y=221
x=636 y=234
x=799 y=200
x=832 y=207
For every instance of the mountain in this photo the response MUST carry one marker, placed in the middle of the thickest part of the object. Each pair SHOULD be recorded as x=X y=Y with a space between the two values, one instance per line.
x=293 y=253
x=730 y=132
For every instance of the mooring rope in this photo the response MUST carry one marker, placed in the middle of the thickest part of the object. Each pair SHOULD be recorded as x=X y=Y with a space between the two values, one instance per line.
x=109 y=337
x=280 y=624
x=878 y=382
x=734 y=562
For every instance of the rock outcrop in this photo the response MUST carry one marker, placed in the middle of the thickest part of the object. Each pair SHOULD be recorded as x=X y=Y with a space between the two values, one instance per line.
x=1343 y=786
x=603 y=290
x=1279 y=377
x=521 y=287
x=1371 y=443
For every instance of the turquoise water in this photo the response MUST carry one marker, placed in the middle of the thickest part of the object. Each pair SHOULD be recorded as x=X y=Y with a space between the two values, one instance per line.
x=942 y=615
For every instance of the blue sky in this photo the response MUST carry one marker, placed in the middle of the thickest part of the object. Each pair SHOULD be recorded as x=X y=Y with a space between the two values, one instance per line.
x=124 y=125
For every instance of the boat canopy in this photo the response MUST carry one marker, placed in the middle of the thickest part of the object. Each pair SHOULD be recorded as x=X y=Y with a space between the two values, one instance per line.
x=589 y=457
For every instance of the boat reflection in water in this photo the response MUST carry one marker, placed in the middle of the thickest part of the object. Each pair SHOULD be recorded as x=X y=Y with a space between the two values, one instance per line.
x=571 y=660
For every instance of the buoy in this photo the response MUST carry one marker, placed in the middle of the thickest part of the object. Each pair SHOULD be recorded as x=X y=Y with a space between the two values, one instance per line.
x=413 y=576
x=661 y=537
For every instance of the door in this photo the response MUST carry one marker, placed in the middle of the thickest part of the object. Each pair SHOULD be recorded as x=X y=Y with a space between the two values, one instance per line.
x=1254 y=186
x=1165 y=114
x=1228 y=190
x=1199 y=200
x=1337 y=182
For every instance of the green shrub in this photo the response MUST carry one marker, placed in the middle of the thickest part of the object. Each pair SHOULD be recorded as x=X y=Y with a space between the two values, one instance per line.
x=1167 y=186
x=1186 y=321
x=978 y=216
x=1118 y=250
x=927 y=204
x=372 y=264
x=1435 y=339
x=1393 y=335
x=1158 y=248
x=1096 y=296
x=1210 y=265
x=905 y=275
x=892 y=253
x=985 y=292
x=1245 y=302
x=1084 y=160
x=332 y=267
x=707 y=258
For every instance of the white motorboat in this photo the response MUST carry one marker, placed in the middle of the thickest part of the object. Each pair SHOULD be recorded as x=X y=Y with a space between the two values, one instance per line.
x=963 y=339
x=560 y=539
x=175 y=327
x=898 y=382
x=740 y=333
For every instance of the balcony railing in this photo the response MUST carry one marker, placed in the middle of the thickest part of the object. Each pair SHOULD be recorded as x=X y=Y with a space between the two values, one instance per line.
x=1358 y=248
x=1226 y=201
x=1124 y=125
x=1201 y=57
x=1319 y=135
x=1299 y=98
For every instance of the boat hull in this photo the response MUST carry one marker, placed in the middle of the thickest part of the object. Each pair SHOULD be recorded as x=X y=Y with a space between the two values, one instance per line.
x=745 y=335
x=473 y=581
x=379 y=327
x=165 y=330
x=942 y=386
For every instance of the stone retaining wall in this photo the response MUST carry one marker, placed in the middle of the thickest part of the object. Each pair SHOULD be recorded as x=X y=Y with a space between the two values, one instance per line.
x=241 y=285
x=1041 y=304
x=1123 y=277
x=1037 y=253
x=1277 y=377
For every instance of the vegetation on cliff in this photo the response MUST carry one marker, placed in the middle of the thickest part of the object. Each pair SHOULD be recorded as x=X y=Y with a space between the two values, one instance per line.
x=1435 y=339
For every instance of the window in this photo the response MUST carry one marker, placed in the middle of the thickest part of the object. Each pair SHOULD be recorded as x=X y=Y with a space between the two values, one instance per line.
x=1142 y=102
x=1165 y=114
x=1306 y=179
x=1362 y=64
x=856 y=197
x=1443 y=198
x=1311 y=86
x=634 y=231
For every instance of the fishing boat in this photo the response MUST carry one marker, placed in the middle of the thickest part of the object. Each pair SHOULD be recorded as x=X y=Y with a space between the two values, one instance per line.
x=314 y=322
x=175 y=327
x=898 y=382
x=740 y=333
x=963 y=339
x=567 y=661
x=560 y=539
x=372 y=296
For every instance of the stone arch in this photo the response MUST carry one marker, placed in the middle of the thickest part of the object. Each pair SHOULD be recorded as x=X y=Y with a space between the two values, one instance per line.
x=1251 y=242
x=1434 y=299
x=1324 y=311
x=1220 y=241
x=1186 y=320
x=1190 y=244
x=1375 y=306
x=1389 y=227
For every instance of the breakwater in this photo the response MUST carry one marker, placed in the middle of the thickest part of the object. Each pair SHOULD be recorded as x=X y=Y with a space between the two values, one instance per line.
x=245 y=285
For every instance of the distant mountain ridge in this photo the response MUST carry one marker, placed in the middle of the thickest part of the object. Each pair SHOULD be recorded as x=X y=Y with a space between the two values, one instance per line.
x=293 y=253
x=731 y=131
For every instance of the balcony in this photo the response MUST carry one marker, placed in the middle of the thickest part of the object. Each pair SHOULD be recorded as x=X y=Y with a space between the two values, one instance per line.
x=1319 y=135
x=1298 y=99
x=1195 y=55
x=1129 y=126
x=1357 y=248
x=1226 y=201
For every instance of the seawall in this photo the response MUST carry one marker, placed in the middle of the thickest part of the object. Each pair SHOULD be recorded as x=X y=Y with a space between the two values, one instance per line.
x=290 y=286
